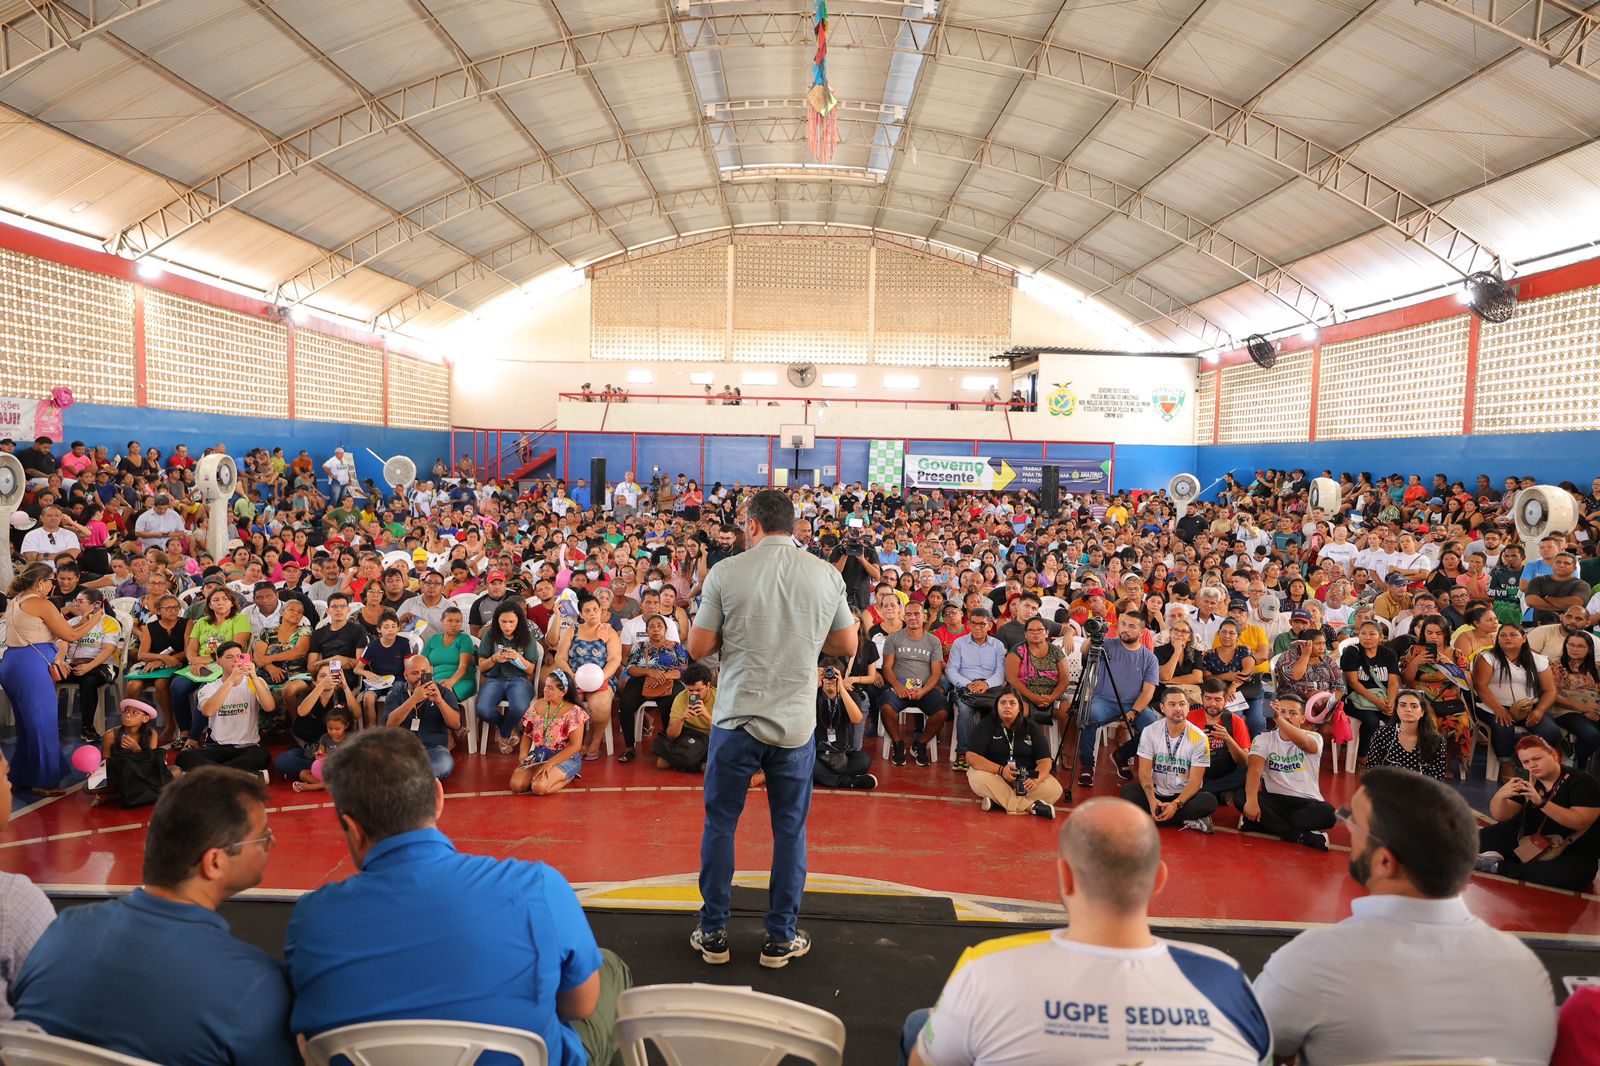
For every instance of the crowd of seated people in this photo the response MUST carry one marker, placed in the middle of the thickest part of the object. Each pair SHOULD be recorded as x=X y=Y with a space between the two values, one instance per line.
x=1229 y=644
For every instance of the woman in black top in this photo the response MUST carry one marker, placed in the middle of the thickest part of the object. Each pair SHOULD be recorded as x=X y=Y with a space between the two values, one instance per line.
x=1372 y=674
x=1412 y=741
x=838 y=764
x=1551 y=808
x=160 y=655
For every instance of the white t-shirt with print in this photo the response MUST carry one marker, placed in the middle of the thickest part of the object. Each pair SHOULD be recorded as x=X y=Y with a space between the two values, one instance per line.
x=1290 y=771
x=106 y=631
x=1171 y=757
x=235 y=721
x=1343 y=554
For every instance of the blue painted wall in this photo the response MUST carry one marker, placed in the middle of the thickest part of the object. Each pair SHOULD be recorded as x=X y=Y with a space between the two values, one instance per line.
x=1549 y=457
x=163 y=428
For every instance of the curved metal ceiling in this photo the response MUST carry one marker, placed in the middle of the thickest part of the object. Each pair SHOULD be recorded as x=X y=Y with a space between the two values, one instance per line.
x=404 y=161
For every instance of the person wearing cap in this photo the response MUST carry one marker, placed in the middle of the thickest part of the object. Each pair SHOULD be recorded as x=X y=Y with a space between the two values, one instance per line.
x=135 y=763
x=487 y=605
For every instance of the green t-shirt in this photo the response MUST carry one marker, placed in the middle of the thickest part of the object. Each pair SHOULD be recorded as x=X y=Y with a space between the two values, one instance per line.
x=1505 y=591
x=680 y=711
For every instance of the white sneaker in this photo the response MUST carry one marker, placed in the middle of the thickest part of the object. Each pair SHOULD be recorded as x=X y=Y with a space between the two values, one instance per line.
x=986 y=803
x=1489 y=862
x=1199 y=825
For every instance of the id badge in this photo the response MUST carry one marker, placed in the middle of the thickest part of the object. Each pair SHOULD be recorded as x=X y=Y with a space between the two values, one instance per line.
x=416 y=723
x=833 y=736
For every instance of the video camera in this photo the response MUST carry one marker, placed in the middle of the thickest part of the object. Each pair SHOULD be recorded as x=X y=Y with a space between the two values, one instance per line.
x=1095 y=630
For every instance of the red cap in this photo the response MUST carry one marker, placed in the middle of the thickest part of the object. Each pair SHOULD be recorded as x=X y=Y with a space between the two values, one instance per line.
x=496 y=575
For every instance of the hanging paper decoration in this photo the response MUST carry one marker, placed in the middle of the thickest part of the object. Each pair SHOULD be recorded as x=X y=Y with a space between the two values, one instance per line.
x=822 y=121
x=61 y=397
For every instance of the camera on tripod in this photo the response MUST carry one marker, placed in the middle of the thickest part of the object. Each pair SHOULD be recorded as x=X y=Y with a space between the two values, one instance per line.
x=655 y=480
x=1095 y=630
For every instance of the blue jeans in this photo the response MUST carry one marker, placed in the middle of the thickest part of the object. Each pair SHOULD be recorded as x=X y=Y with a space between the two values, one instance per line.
x=516 y=691
x=1503 y=738
x=337 y=490
x=734 y=758
x=441 y=760
x=909 y=1032
x=189 y=719
x=1585 y=733
x=292 y=763
x=967 y=721
x=1103 y=712
x=1255 y=716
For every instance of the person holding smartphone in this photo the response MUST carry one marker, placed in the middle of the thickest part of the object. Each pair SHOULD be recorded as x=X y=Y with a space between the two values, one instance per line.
x=428 y=709
x=685 y=742
x=1544 y=832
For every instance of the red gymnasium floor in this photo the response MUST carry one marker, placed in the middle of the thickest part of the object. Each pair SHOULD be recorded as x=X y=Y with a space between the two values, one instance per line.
x=629 y=836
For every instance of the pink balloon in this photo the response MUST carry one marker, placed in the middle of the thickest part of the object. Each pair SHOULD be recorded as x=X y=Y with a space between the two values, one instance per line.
x=316 y=768
x=86 y=759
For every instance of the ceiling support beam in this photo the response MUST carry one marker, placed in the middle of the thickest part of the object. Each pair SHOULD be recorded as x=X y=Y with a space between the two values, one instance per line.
x=46 y=27
x=1565 y=33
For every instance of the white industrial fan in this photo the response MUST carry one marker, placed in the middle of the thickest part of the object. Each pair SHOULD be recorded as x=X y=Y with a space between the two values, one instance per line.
x=1325 y=495
x=1541 y=511
x=1183 y=490
x=215 y=476
x=398 y=470
x=13 y=484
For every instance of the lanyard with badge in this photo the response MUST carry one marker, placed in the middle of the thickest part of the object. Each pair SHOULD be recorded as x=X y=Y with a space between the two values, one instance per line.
x=835 y=707
x=1011 y=748
x=1173 y=745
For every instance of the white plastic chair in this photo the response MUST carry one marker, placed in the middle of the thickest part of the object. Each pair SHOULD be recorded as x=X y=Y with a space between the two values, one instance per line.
x=424 y=1043
x=1349 y=747
x=693 y=1024
x=19 y=1048
x=933 y=745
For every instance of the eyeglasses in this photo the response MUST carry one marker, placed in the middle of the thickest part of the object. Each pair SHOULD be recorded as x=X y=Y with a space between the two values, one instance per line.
x=266 y=840
x=1345 y=815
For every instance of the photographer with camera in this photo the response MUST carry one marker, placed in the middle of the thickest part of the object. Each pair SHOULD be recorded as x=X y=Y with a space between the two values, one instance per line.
x=857 y=565
x=977 y=671
x=683 y=744
x=838 y=765
x=1009 y=764
x=1125 y=684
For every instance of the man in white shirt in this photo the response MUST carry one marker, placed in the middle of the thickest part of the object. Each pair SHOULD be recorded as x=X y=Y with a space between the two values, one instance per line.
x=1209 y=617
x=1103 y=989
x=1172 y=758
x=625 y=497
x=341 y=475
x=1339 y=549
x=157 y=524
x=50 y=543
x=1282 y=796
x=633 y=629
x=1409 y=562
x=1411 y=974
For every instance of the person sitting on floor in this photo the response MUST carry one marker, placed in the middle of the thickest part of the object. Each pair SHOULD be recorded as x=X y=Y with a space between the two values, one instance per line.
x=1544 y=832
x=1281 y=794
x=302 y=768
x=838 y=765
x=1227 y=736
x=156 y=974
x=135 y=761
x=1173 y=755
x=1009 y=764
x=684 y=743
x=423 y=931
x=1110 y=992
x=1411 y=974
x=551 y=751
x=232 y=704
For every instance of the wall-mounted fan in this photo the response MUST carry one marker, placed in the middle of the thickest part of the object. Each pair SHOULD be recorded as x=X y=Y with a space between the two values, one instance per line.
x=1183 y=490
x=13 y=485
x=216 y=476
x=802 y=375
x=1489 y=297
x=398 y=470
x=1325 y=495
x=1263 y=353
x=1542 y=510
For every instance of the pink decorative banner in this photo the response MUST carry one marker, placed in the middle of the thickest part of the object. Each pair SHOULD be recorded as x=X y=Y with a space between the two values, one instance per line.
x=23 y=419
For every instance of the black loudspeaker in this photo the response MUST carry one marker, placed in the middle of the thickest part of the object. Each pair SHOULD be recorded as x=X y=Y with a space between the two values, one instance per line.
x=597 y=484
x=1050 y=489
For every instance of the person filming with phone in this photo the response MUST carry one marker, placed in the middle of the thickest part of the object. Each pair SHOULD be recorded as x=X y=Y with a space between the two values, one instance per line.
x=1545 y=823
x=426 y=708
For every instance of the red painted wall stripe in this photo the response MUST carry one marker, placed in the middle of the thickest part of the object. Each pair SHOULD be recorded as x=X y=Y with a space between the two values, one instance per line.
x=289 y=364
x=141 y=395
x=1470 y=399
x=1316 y=388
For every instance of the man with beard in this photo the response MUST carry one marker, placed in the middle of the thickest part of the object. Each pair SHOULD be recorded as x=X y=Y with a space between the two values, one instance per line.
x=1411 y=974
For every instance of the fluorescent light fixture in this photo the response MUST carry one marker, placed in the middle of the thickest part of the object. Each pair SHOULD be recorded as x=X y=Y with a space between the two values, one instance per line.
x=701 y=377
x=902 y=381
x=758 y=377
x=298 y=315
x=838 y=381
x=80 y=207
x=979 y=384
x=148 y=269
x=640 y=376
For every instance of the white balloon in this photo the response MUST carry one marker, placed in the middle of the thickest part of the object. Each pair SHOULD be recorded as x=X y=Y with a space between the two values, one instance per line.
x=590 y=677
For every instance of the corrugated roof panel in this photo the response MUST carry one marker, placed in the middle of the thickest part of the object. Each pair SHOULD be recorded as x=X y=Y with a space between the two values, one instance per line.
x=394 y=168
x=241 y=249
x=1214 y=179
x=382 y=45
x=1547 y=208
x=647 y=94
x=479 y=231
x=1048 y=117
x=614 y=185
x=1296 y=221
x=1183 y=272
x=544 y=205
x=1123 y=240
x=590 y=16
x=360 y=294
x=1234 y=49
x=1128 y=33
x=560 y=110
x=1067 y=216
x=418 y=262
x=1133 y=144
x=485 y=144
x=960 y=99
x=486 y=28
x=44 y=175
x=314 y=207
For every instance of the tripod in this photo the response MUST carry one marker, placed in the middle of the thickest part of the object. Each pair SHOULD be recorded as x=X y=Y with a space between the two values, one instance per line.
x=1078 y=713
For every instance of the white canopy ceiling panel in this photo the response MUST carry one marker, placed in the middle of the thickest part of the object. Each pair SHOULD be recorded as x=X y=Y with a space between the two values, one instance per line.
x=418 y=262
x=647 y=93
x=1245 y=309
x=1295 y=221
x=382 y=44
x=560 y=110
x=643 y=232
x=1216 y=179
x=477 y=292
x=687 y=169
x=590 y=16
x=960 y=99
x=314 y=207
x=482 y=143
x=541 y=205
x=1063 y=213
x=1048 y=117
x=1122 y=240
x=1184 y=272
x=927 y=174
x=482 y=231
x=613 y=185
x=489 y=27
x=1550 y=207
x=995 y=190
x=588 y=247
x=1026 y=18
x=45 y=175
x=1232 y=50
x=360 y=294
x=1133 y=144
x=241 y=249
x=1127 y=33
x=1376 y=266
x=393 y=168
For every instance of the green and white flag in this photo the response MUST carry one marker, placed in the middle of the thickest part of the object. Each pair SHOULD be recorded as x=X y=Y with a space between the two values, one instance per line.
x=886 y=463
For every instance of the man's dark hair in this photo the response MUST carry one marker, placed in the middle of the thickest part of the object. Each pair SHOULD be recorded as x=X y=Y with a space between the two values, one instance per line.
x=695 y=673
x=1032 y=597
x=381 y=780
x=1428 y=827
x=1213 y=684
x=205 y=808
x=339 y=597
x=772 y=510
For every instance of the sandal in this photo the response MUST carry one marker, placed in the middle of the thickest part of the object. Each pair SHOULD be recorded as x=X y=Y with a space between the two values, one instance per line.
x=507 y=745
x=299 y=786
x=627 y=756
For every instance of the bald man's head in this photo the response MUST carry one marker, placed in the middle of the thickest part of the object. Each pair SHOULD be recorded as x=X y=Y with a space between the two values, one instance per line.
x=1113 y=850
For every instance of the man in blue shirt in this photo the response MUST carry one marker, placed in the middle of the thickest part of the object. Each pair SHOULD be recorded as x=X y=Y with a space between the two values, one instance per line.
x=1123 y=689
x=156 y=974
x=977 y=672
x=426 y=932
